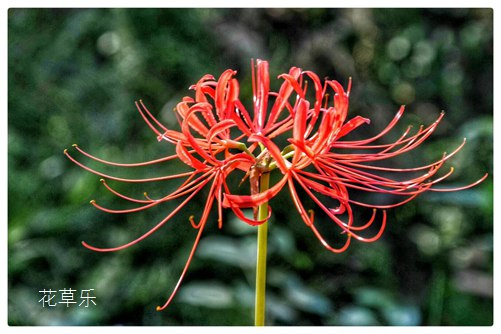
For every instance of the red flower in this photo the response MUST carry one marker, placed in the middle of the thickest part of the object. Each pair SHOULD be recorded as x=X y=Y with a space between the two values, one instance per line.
x=215 y=124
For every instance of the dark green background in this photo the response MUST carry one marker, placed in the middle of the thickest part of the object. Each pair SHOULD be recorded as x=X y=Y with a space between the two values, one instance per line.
x=73 y=77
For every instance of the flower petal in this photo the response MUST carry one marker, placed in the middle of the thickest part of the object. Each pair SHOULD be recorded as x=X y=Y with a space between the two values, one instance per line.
x=187 y=158
x=249 y=201
x=261 y=94
x=222 y=97
x=282 y=97
x=351 y=125
x=300 y=120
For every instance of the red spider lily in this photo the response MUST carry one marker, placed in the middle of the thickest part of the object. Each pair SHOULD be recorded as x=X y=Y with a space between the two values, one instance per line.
x=333 y=172
x=215 y=124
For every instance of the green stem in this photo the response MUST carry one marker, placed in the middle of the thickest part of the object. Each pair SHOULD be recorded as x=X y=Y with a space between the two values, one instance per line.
x=437 y=297
x=262 y=242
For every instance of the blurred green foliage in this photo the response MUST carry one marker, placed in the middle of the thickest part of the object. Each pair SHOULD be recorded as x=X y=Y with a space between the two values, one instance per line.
x=73 y=77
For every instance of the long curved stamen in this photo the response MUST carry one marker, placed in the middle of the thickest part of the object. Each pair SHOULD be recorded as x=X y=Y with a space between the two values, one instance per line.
x=386 y=153
x=366 y=225
x=371 y=185
x=147 y=234
x=345 y=227
x=152 y=117
x=390 y=126
x=374 y=181
x=463 y=187
x=410 y=143
x=401 y=140
x=413 y=169
x=308 y=221
x=130 y=199
x=176 y=194
x=153 y=179
x=306 y=185
x=200 y=227
x=147 y=121
x=183 y=273
x=140 y=164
